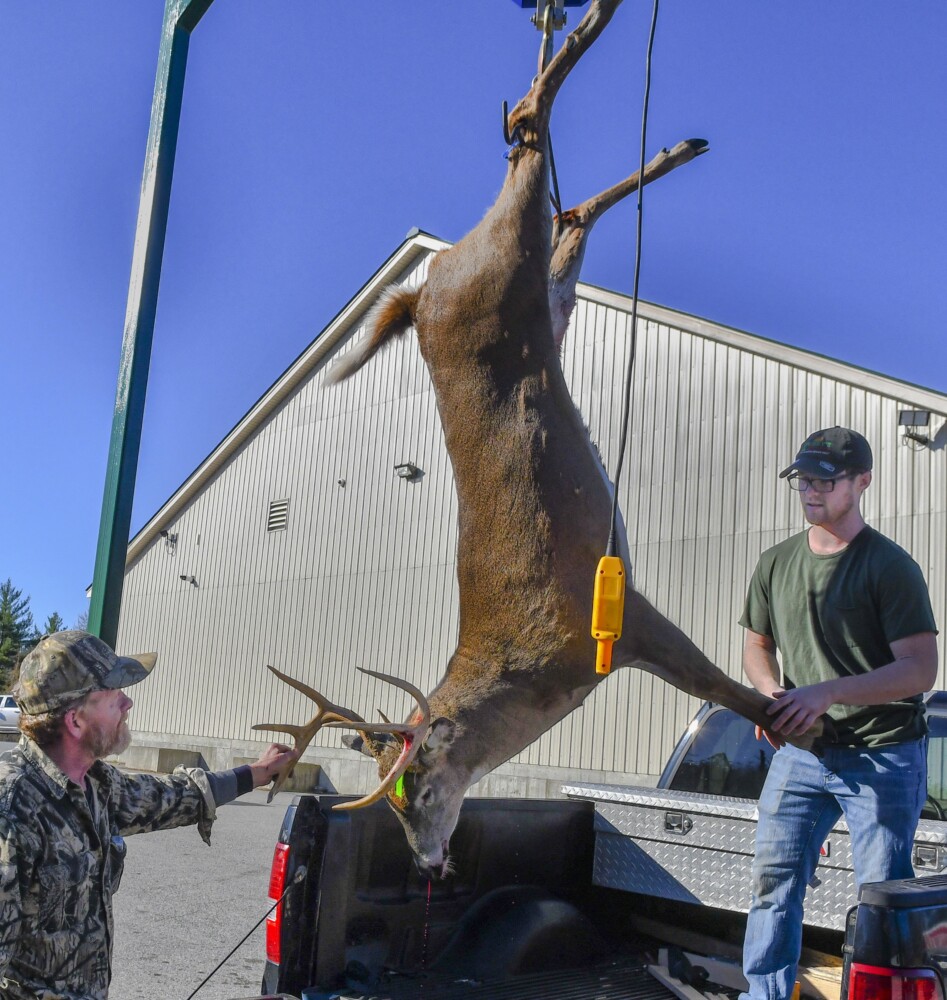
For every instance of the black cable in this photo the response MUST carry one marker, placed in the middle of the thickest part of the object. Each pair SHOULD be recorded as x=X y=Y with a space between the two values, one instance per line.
x=297 y=878
x=626 y=405
x=556 y=200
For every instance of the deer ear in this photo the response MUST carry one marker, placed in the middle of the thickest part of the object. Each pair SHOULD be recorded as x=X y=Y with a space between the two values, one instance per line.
x=372 y=748
x=439 y=736
x=355 y=743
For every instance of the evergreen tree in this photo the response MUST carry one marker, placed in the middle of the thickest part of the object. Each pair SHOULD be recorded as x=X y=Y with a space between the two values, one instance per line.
x=54 y=623
x=16 y=629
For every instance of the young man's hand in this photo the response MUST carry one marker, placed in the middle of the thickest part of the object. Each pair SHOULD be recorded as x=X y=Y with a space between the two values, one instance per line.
x=771 y=738
x=797 y=710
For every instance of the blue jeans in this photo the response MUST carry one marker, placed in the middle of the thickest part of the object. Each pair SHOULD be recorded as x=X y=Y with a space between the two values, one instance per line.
x=880 y=791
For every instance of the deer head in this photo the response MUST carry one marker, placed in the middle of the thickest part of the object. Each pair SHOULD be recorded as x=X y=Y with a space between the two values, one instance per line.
x=415 y=770
x=427 y=799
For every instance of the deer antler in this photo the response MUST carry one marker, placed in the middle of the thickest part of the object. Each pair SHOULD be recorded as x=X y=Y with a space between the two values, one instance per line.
x=302 y=735
x=411 y=738
x=334 y=717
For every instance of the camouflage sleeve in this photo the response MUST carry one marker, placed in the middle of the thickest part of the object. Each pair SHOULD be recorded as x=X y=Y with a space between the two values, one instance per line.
x=11 y=913
x=147 y=802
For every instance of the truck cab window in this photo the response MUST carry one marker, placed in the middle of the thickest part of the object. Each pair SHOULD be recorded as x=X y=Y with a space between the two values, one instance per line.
x=725 y=758
x=936 y=805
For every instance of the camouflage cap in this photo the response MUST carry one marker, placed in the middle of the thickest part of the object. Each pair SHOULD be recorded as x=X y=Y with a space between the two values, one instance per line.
x=66 y=666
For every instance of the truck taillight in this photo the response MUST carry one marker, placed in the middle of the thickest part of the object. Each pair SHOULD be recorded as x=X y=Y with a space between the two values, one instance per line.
x=872 y=982
x=277 y=886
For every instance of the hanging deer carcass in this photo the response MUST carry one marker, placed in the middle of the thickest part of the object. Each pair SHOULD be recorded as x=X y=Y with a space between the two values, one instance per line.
x=533 y=497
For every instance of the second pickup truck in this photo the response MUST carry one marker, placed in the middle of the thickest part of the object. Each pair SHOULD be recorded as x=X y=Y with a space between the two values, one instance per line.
x=692 y=837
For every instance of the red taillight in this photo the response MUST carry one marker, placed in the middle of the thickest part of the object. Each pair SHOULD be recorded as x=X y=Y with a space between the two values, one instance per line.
x=277 y=885
x=872 y=982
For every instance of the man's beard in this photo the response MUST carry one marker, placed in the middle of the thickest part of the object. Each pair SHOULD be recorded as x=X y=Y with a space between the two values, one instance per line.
x=102 y=743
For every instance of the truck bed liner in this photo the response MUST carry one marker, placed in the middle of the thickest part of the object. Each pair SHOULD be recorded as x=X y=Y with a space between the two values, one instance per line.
x=616 y=979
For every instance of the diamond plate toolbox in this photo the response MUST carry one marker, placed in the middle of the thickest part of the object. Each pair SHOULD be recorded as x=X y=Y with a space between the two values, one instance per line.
x=698 y=848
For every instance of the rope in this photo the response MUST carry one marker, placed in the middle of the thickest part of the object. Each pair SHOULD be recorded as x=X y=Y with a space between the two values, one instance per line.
x=545 y=53
x=556 y=200
x=297 y=878
x=626 y=404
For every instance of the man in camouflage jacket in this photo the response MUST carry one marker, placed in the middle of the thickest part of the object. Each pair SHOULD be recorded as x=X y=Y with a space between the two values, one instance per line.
x=64 y=813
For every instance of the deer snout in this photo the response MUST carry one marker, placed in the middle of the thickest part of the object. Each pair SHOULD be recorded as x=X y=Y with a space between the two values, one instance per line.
x=434 y=866
x=431 y=872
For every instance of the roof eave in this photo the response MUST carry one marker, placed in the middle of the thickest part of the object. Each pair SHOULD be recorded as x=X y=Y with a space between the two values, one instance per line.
x=416 y=244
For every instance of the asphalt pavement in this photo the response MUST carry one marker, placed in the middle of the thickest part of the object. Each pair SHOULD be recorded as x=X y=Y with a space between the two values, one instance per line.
x=183 y=905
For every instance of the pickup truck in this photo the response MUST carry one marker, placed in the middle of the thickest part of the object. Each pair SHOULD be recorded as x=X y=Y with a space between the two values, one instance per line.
x=573 y=897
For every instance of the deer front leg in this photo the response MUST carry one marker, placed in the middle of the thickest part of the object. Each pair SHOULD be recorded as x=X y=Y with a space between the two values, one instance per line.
x=661 y=648
x=576 y=44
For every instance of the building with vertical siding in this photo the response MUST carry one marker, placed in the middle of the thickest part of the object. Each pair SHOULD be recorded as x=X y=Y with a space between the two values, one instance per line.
x=296 y=542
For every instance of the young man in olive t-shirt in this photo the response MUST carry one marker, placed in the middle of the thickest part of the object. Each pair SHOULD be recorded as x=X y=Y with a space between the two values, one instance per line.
x=849 y=613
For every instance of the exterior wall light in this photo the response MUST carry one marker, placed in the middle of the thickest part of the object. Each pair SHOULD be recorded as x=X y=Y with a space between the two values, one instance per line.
x=911 y=420
x=408 y=470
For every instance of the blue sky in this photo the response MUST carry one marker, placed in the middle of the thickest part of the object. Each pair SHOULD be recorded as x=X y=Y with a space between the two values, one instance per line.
x=315 y=135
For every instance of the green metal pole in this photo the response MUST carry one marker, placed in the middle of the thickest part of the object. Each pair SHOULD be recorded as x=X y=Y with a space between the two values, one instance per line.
x=180 y=18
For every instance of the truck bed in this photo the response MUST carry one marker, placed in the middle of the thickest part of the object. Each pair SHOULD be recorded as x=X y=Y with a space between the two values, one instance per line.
x=519 y=917
x=622 y=979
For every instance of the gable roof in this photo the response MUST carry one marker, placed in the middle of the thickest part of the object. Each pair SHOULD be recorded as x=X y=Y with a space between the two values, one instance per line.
x=416 y=245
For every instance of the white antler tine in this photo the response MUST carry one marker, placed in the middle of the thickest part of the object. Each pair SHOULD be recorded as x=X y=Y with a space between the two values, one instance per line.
x=302 y=688
x=405 y=686
x=275 y=727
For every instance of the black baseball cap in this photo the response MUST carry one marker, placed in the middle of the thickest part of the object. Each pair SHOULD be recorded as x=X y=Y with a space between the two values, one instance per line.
x=831 y=452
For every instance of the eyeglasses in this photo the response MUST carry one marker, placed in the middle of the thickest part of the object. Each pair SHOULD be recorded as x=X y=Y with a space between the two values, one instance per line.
x=803 y=483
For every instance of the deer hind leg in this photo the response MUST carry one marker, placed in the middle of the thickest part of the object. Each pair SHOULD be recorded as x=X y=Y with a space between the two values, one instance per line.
x=576 y=45
x=538 y=102
x=660 y=647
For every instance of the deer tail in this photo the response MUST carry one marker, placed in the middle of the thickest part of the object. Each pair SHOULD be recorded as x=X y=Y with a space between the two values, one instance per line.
x=391 y=316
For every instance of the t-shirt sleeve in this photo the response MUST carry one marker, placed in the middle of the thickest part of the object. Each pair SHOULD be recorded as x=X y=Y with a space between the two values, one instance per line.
x=756 y=614
x=903 y=600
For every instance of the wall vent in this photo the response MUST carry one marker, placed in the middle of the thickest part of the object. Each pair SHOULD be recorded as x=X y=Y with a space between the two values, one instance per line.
x=276 y=519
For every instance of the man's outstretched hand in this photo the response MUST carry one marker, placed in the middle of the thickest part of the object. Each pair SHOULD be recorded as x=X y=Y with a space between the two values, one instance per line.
x=273 y=759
